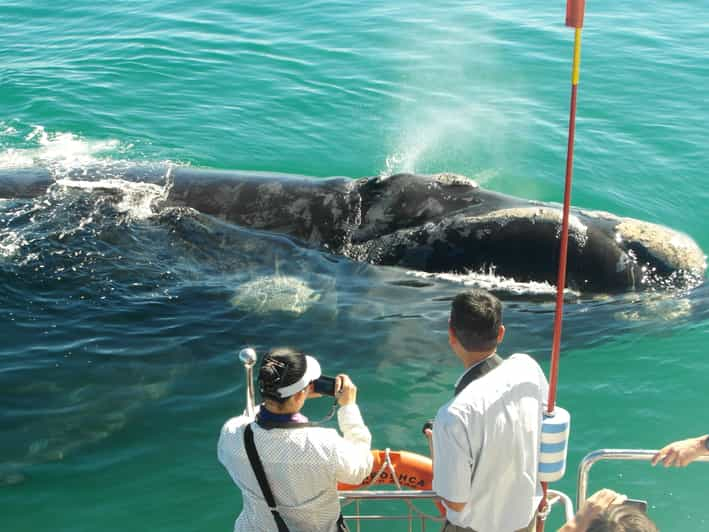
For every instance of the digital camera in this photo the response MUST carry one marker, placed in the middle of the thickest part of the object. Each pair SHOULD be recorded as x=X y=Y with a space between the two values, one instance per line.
x=324 y=385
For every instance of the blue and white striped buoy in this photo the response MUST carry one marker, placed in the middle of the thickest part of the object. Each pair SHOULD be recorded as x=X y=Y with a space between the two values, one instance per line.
x=554 y=444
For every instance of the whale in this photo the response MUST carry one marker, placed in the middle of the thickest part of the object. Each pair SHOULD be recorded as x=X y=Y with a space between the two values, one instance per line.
x=431 y=223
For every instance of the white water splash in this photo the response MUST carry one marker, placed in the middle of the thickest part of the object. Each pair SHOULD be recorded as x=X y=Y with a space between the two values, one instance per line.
x=59 y=151
x=495 y=283
x=138 y=200
x=10 y=243
x=13 y=158
x=279 y=293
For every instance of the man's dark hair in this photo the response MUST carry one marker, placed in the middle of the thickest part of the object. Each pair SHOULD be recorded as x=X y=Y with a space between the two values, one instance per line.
x=476 y=317
x=622 y=518
x=280 y=367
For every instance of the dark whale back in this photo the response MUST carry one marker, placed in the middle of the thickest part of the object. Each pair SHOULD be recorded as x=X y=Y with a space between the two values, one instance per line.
x=321 y=212
x=432 y=223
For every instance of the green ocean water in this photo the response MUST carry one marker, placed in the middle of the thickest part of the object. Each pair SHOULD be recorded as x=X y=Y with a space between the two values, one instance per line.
x=115 y=379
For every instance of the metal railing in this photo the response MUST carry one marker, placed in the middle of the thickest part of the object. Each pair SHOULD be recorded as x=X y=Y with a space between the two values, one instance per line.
x=414 y=514
x=248 y=359
x=635 y=455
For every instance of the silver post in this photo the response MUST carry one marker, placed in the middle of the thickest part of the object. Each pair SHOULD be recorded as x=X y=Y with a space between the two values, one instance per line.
x=248 y=358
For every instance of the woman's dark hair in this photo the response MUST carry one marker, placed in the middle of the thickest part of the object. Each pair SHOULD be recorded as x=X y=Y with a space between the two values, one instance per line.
x=622 y=518
x=280 y=367
x=475 y=318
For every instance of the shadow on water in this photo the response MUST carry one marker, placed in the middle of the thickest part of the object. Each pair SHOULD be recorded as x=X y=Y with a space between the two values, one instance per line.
x=110 y=311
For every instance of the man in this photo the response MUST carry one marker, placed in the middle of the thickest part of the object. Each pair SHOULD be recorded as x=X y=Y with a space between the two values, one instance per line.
x=485 y=441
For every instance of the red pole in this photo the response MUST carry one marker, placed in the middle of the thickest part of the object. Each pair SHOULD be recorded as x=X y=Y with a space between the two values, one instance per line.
x=574 y=13
x=563 y=252
x=574 y=18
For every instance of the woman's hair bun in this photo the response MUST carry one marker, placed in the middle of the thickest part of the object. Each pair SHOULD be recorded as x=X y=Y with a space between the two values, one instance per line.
x=269 y=373
x=280 y=367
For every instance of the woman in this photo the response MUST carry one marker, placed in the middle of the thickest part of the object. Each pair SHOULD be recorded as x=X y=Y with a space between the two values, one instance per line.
x=302 y=463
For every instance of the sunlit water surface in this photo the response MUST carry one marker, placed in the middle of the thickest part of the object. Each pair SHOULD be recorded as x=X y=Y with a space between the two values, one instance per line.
x=121 y=322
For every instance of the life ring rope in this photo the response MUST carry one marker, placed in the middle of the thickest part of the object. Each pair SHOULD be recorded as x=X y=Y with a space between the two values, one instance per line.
x=386 y=464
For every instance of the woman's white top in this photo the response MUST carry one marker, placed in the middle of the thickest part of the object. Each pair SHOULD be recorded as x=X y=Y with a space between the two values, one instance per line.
x=302 y=465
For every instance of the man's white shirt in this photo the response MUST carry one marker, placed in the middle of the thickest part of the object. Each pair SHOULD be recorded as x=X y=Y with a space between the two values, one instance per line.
x=486 y=447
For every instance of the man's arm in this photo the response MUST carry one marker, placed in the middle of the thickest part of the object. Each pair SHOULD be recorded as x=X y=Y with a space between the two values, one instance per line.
x=455 y=506
x=683 y=452
x=454 y=460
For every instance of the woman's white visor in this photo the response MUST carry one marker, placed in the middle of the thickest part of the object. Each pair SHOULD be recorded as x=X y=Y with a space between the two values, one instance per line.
x=312 y=372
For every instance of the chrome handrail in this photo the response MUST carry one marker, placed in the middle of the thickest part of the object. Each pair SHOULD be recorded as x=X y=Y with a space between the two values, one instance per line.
x=644 y=455
x=564 y=499
x=553 y=497
x=388 y=494
x=248 y=359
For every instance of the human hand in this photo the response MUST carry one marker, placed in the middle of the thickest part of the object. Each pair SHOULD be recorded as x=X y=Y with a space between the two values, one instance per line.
x=345 y=390
x=592 y=508
x=427 y=431
x=680 y=453
x=429 y=436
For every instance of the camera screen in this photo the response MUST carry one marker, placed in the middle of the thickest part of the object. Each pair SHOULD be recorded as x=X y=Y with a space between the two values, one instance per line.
x=324 y=385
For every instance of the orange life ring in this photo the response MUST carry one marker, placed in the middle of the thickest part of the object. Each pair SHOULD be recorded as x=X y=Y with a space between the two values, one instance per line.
x=413 y=471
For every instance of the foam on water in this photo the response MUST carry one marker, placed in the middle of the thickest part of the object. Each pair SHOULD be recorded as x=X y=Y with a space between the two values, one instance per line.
x=138 y=200
x=495 y=283
x=58 y=150
x=10 y=243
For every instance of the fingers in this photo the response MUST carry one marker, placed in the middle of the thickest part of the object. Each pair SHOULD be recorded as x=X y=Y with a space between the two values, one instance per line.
x=342 y=382
x=596 y=504
x=680 y=453
x=670 y=456
x=659 y=455
x=605 y=497
x=601 y=500
x=429 y=438
x=666 y=455
x=345 y=390
x=619 y=498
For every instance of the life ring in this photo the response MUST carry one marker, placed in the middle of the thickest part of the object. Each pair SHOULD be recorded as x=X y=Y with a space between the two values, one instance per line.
x=413 y=471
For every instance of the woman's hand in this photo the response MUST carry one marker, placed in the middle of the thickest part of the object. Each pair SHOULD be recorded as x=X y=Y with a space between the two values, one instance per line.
x=345 y=390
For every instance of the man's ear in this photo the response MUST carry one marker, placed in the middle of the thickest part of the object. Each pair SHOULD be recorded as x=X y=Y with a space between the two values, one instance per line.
x=500 y=334
x=452 y=340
